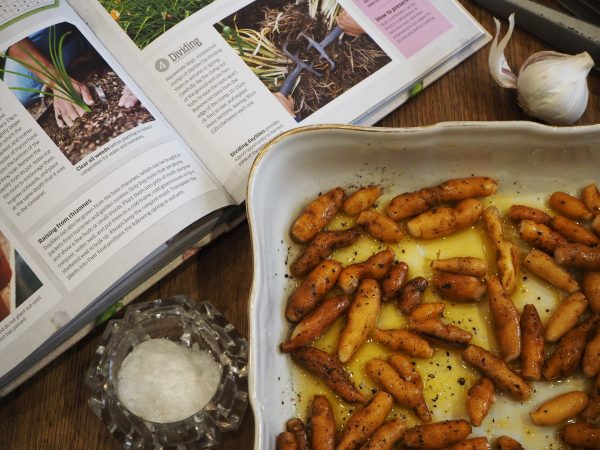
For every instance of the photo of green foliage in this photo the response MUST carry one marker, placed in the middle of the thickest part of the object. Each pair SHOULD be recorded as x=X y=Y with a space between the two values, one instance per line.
x=146 y=20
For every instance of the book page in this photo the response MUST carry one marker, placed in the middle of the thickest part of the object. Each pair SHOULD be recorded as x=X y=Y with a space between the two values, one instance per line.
x=93 y=179
x=232 y=75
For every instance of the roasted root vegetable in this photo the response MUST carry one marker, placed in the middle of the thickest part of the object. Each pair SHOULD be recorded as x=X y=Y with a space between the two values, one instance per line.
x=591 y=198
x=505 y=319
x=438 y=331
x=565 y=316
x=328 y=368
x=412 y=294
x=316 y=215
x=386 y=436
x=322 y=424
x=507 y=257
x=465 y=265
x=578 y=255
x=480 y=400
x=374 y=267
x=569 y=206
x=436 y=435
x=540 y=236
x=364 y=422
x=544 y=267
x=497 y=370
x=508 y=443
x=316 y=323
x=393 y=282
x=532 y=347
x=443 y=221
x=405 y=392
x=426 y=311
x=413 y=203
x=361 y=200
x=591 y=356
x=458 y=288
x=560 y=408
x=518 y=213
x=403 y=340
x=286 y=441
x=362 y=317
x=297 y=428
x=592 y=411
x=582 y=435
x=573 y=231
x=321 y=247
x=567 y=355
x=590 y=285
x=316 y=285
x=477 y=443
x=380 y=226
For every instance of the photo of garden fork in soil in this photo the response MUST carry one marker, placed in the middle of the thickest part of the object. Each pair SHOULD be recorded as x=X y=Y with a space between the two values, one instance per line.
x=307 y=52
x=70 y=90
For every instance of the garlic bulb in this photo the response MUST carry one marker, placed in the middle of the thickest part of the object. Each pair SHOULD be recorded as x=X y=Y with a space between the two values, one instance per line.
x=551 y=86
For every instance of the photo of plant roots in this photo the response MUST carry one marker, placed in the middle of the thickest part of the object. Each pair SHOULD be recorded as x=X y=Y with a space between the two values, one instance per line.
x=299 y=48
x=50 y=88
x=146 y=20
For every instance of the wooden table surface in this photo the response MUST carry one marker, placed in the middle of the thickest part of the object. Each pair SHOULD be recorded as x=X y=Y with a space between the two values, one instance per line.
x=50 y=410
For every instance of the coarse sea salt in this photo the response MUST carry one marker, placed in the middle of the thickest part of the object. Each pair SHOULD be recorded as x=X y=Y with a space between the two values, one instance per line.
x=163 y=381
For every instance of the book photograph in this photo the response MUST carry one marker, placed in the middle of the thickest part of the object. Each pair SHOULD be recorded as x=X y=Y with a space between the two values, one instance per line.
x=90 y=104
x=306 y=53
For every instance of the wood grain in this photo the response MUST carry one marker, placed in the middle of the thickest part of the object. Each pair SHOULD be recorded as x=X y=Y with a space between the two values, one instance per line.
x=50 y=410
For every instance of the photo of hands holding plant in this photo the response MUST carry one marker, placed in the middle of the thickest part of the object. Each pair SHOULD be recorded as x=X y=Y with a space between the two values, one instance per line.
x=70 y=90
x=306 y=52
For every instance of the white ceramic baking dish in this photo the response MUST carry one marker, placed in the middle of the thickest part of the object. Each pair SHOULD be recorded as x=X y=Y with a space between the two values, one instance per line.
x=295 y=167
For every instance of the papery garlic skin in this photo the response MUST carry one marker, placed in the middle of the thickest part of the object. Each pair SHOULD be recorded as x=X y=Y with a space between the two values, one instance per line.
x=551 y=86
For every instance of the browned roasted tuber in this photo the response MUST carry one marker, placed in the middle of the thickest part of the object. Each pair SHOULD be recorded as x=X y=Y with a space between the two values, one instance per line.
x=591 y=198
x=569 y=206
x=297 y=428
x=592 y=411
x=591 y=288
x=544 y=267
x=505 y=319
x=478 y=443
x=518 y=213
x=413 y=203
x=578 y=255
x=508 y=443
x=436 y=435
x=362 y=317
x=567 y=355
x=540 y=236
x=361 y=199
x=443 y=221
x=318 y=283
x=573 y=231
x=507 y=257
x=582 y=435
x=380 y=226
x=466 y=265
x=497 y=370
x=286 y=441
x=435 y=329
x=316 y=323
x=322 y=424
x=321 y=247
x=316 y=215
x=364 y=422
x=458 y=288
x=329 y=369
x=480 y=400
x=405 y=392
x=591 y=356
x=412 y=294
x=403 y=340
x=393 y=282
x=565 y=316
x=386 y=436
x=532 y=348
x=374 y=267
x=426 y=311
x=560 y=408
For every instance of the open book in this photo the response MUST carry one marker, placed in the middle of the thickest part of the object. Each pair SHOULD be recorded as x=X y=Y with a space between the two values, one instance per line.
x=128 y=128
